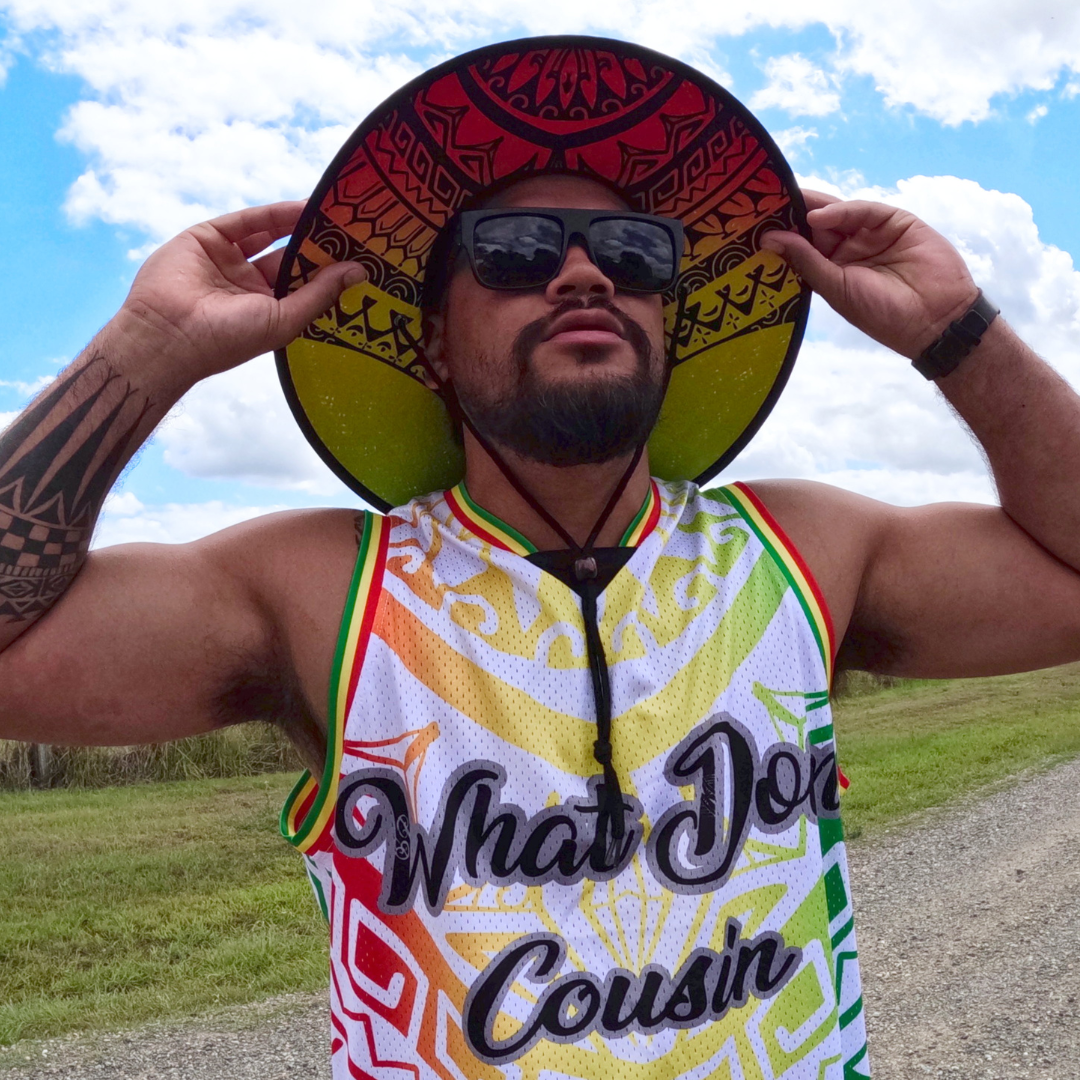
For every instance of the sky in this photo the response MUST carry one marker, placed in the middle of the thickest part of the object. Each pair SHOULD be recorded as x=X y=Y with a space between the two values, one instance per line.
x=124 y=121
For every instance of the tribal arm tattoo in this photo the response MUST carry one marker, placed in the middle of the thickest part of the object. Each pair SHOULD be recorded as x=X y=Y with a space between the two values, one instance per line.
x=57 y=463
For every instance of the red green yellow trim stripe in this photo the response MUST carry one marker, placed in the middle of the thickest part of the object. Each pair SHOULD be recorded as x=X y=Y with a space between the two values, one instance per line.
x=646 y=519
x=487 y=526
x=310 y=805
x=776 y=542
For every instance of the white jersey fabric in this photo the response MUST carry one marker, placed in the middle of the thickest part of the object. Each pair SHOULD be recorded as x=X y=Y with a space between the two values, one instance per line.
x=480 y=926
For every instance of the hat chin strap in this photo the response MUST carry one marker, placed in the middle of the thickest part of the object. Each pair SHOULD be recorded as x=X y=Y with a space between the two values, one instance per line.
x=612 y=807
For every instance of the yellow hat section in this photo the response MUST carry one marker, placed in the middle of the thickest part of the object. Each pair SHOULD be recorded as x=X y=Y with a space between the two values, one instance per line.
x=390 y=431
x=712 y=399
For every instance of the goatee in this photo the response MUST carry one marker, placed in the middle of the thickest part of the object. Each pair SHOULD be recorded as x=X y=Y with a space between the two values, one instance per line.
x=586 y=423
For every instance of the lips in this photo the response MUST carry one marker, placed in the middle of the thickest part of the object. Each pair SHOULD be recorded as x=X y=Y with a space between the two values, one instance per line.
x=593 y=326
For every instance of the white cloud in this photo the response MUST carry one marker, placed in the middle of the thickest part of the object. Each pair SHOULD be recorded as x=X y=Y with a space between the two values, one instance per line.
x=794 y=140
x=950 y=60
x=28 y=389
x=6 y=418
x=859 y=417
x=1037 y=114
x=206 y=127
x=237 y=426
x=798 y=86
x=196 y=109
x=126 y=520
x=1071 y=89
x=856 y=415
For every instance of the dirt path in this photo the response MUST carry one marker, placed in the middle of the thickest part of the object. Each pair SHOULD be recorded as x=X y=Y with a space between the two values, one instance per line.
x=969 y=930
x=969 y=935
x=286 y=1038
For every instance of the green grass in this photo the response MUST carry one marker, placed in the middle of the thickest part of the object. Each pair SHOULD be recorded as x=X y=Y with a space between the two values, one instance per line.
x=128 y=904
x=917 y=745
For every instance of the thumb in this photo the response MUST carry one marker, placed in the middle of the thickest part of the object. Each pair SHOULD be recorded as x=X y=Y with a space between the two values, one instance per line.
x=823 y=276
x=312 y=299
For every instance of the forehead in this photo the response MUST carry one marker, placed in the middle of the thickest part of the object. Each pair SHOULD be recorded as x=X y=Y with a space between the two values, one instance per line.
x=562 y=192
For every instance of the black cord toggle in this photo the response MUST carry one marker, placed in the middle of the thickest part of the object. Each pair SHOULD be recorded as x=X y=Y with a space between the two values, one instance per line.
x=602 y=751
x=585 y=568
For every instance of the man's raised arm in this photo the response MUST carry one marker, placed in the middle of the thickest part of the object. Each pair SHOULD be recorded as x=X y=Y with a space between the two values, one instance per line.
x=946 y=590
x=894 y=277
x=144 y=641
x=197 y=307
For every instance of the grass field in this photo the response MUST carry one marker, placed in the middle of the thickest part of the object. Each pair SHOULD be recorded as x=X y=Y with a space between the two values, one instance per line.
x=127 y=904
x=922 y=744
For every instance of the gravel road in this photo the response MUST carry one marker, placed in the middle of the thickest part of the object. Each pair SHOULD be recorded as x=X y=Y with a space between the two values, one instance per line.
x=969 y=936
x=969 y=930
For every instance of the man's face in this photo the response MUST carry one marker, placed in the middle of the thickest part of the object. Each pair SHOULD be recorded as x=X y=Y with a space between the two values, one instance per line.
x=568 y=373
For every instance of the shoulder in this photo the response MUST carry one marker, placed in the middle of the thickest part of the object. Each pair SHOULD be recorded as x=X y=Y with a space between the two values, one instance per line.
x=292 y=544
x=295 y=566
x=835 y=532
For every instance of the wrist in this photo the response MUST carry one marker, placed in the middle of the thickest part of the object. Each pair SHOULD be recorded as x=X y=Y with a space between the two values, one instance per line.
x=957 y=340
x=146 y=354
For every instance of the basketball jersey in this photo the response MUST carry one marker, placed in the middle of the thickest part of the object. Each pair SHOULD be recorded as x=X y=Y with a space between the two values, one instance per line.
x=481 y=925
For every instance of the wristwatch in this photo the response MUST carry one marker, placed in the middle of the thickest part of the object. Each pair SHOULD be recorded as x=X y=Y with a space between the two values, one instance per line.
x=959 y=338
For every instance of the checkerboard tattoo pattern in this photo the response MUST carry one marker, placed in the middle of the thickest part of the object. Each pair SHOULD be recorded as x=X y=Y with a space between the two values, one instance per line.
x=57 y=462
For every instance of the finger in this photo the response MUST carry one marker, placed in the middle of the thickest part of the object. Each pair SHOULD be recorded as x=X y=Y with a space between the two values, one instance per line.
x=815 y=200
x=811 y=265
x=255 y=243
x=231 y=260
x=277 y=219
x=850 y=217
x=305 y=305
x=269 y=264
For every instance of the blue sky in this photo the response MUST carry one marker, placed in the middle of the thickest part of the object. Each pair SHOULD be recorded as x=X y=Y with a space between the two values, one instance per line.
x=120 y=123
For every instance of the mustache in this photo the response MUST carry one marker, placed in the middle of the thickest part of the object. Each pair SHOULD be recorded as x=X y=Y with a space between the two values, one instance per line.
x=531 y=334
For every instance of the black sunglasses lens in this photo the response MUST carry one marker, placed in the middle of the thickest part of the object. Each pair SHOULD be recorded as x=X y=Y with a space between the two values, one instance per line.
x=516 y=251
x=634 y=254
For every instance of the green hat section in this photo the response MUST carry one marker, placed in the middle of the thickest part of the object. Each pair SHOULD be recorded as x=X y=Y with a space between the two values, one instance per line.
x=667 y=138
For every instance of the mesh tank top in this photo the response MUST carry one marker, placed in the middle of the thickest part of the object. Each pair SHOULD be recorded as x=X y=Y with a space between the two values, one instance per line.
x=482 y=926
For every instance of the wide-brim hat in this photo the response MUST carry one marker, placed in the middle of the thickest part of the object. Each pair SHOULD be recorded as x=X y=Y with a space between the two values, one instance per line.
x=667 y=138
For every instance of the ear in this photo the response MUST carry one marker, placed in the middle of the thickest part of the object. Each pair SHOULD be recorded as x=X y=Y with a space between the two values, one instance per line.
x=434 y=341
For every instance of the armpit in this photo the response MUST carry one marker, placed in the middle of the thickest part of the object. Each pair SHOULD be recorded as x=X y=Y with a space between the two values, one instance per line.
x=870 y=648
x=269 y=691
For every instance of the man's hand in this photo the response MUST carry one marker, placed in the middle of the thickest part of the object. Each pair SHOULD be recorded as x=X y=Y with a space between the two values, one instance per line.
x=199 y=306
x=881 y=268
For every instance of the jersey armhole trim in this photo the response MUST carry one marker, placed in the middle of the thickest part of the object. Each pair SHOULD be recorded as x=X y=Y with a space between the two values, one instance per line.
x=791 y=563
x=310 y=804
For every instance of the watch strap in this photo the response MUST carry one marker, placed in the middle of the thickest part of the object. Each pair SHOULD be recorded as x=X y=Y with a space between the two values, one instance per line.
x=960 y=337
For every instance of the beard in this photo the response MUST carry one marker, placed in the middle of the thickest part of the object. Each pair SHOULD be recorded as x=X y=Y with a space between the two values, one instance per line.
x=571 y=423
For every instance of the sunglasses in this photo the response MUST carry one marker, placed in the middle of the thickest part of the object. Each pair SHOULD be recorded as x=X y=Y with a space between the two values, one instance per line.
x=526 y=248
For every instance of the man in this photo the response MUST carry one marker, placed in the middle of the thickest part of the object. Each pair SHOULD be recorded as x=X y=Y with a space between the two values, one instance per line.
x=576 y=813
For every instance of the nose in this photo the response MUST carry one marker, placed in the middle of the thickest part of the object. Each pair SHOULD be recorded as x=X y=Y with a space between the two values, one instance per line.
x=578 y=277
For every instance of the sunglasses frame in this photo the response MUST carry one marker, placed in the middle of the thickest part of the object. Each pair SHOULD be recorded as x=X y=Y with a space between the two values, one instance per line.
x=575 y=224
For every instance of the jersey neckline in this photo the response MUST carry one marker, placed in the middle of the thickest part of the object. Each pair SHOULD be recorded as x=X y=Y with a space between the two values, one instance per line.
x=496 y=532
